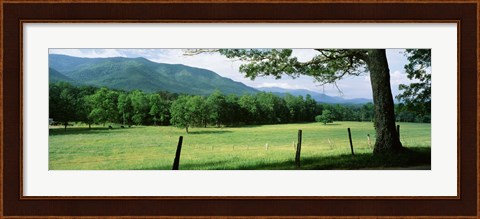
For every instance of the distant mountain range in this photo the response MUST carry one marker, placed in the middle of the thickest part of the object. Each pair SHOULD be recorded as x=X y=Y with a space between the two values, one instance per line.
x=319 y=97
x=140 y=73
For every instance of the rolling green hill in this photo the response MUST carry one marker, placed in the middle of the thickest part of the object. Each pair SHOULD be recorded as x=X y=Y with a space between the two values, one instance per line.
x=140 y=73
x=55 y=76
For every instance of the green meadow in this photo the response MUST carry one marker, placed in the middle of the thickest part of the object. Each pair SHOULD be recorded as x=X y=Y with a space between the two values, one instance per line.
x=267 y=147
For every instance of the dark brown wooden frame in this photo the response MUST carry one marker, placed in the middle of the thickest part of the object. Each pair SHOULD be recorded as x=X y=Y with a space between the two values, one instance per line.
x=14 y=13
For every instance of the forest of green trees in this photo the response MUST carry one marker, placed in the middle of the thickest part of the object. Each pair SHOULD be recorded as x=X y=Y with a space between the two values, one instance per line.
x=92 y=105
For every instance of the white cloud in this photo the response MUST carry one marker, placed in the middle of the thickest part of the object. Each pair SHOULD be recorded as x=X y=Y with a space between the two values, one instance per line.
x=280 y=85
x=88 y=53
x=398 y=77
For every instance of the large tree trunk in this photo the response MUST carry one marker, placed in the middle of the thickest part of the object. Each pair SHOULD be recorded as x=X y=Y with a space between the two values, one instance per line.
x=387 y=139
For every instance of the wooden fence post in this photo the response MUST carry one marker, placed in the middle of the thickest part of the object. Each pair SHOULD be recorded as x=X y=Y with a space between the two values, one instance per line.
x=176 y=162
x=299 y=147
x=398 y=132
x=330 y=143
x=350 y=137
x=369 y=141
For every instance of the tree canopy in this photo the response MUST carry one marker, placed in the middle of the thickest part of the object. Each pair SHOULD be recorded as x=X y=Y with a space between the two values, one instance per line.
x=417 y=95
x=326 y=117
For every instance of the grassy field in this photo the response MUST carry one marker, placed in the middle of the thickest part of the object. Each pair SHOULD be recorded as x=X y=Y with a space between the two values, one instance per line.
x=153 y=148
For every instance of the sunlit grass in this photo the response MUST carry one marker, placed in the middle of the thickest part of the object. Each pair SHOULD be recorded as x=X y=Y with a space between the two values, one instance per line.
x=153 y=148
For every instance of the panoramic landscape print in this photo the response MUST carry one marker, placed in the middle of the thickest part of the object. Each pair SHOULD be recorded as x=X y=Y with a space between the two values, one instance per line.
x=239 y=109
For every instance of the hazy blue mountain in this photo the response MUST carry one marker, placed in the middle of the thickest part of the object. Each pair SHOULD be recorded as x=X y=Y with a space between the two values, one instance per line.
x=319 y=97
x=140 y=73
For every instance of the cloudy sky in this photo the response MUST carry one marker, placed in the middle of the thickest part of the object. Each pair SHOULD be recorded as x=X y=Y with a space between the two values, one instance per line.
x=350 y=87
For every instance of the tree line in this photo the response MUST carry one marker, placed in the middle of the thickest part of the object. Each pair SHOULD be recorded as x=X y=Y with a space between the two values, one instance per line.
x=92 y=105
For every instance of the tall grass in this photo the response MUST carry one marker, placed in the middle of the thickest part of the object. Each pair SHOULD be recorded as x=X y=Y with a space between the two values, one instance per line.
x=153 y=148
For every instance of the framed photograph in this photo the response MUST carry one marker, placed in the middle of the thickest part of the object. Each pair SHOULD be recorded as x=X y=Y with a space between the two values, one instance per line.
x=225 y=109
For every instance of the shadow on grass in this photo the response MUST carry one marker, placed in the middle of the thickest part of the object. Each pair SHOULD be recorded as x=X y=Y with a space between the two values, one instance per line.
x=419 y=156
x=208 y=132
x=268 y=124
x=205 y=165
x=84 y=130
x=410 y=157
